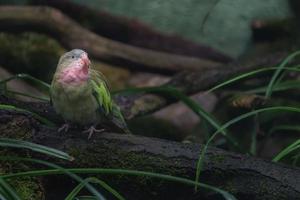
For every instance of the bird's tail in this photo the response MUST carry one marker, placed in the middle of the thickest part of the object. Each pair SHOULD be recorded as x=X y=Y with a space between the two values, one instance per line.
x=118 y=119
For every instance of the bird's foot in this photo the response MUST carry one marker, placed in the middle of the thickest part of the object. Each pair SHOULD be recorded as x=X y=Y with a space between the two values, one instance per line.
x=64 y=128
x=92 y=130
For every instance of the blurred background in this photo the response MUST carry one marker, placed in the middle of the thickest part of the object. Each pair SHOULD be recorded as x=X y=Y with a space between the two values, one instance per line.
x=216 y=31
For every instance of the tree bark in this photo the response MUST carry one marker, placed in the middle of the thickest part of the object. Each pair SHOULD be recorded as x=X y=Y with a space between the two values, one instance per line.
x=132 y=31
x=71 y=35
x=244 y=176
x=192 y=82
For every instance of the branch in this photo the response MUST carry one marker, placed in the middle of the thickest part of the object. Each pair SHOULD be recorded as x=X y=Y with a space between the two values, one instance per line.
x=192 y=82
x=71 y=35
x=131 y=31
x=244 y=176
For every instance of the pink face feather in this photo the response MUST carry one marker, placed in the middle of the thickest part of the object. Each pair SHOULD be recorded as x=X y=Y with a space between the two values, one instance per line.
x=77 y=72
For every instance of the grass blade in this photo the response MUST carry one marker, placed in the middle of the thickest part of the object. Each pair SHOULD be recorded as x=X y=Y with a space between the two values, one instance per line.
x=233 y=121
x=78 y=188
x=277 y=73
x=194 y=106
x=282 y=86
x=85 y=198
x=61 y=169
x=9 y=191
x=1 y=196
x=292 y=147
x=254 y=134
x=225 y=194
x=27 y=95
x=27 y=77
x=284 y=128
x=7 y=142
x=36 y=116
x=249 y=74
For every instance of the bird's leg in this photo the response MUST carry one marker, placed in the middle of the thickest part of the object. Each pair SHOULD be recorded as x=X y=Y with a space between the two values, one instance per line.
x=92 y=130
x=64 y=128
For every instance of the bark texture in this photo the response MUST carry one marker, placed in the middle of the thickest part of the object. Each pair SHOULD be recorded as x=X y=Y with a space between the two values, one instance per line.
x=71 y=35
x=132 y=31
x=244 y=176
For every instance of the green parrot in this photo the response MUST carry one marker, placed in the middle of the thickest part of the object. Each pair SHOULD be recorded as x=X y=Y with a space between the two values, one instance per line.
x=81 y=95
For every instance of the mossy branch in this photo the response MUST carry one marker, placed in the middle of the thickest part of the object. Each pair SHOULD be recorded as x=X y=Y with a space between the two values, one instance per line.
x=71 y=35
x=244 y=176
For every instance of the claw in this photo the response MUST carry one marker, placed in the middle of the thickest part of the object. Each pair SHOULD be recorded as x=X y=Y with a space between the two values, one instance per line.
x=65 y=127
x=91 y=131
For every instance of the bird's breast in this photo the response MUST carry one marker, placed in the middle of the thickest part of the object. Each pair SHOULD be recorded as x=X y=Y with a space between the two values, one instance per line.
x=75 y=103
x=73 y=76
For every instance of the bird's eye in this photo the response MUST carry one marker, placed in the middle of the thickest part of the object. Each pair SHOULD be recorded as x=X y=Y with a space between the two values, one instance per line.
x=73 y=57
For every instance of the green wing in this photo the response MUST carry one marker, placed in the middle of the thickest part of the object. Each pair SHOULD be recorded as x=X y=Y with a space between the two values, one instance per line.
x=106 y=104
x=101 y=92
x=118 y=119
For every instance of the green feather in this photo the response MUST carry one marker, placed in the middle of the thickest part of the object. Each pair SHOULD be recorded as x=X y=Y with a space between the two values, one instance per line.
x=106 y=104
x=103 y=96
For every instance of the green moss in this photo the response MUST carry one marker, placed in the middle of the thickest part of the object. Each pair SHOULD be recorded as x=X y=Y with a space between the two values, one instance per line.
x=28 y=188
x=31 y=53
x=217 y=158
x=19 y=128
x=131 y=160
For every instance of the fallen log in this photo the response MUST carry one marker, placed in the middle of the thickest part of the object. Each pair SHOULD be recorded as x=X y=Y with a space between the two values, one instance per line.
x=71 y=35
x=244 y=176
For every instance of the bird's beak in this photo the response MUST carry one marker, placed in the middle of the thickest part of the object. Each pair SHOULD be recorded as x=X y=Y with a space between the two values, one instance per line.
x=86 y=60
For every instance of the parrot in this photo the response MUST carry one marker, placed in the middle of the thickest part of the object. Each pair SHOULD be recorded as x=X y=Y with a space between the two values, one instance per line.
x=81 y=95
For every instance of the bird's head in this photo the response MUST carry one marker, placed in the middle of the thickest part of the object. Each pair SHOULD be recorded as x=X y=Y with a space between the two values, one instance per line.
x=73 y=65
x=75 y=58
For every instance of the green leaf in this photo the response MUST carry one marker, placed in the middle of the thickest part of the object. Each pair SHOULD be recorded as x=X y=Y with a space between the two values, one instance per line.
x=292 y=147
x=27 y=77
x=78 y=188
x=277 y=73
x=8 y=190
x=85 y=198
x=28 y=95
x=249 y=74
x=88 y=186
x=36 y=116
x=231 y=122
x=194 y=106
x=225 y=194
x=7 y=142
x=284 y=128
x=282 y=86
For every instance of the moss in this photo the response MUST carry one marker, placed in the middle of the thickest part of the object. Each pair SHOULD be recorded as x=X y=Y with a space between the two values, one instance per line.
x=131 y=160
x=217 y=159
x=28 y=188
x=18 y=127
x=31 y=53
